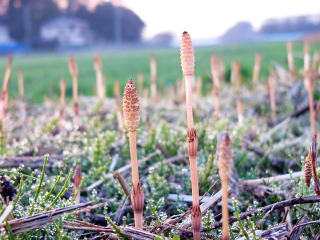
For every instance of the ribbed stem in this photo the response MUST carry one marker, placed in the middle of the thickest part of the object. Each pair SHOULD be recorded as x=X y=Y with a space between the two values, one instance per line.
x=256 y=68
x=188 y=82
x=194 y=180
x=134 y=158
x=138 y=219
x=225 y=212
x=100 y=85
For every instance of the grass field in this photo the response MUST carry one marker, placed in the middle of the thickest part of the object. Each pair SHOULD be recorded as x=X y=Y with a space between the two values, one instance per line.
x=43 y=72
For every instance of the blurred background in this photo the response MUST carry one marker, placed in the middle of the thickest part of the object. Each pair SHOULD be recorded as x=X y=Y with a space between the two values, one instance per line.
x=42 y=33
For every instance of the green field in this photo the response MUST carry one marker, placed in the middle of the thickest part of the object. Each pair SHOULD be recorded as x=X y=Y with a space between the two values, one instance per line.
x=43 y=72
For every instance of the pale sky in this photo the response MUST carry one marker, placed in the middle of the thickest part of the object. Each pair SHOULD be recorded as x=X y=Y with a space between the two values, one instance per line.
x=211 y=18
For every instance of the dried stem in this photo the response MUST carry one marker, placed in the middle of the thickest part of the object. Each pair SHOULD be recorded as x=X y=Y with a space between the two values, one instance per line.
x=5 y=84
x=225 y=164
x=122 y=183
x=315 y=61
x=21 y=85
x=100 y=83
x=153 y=75
x=73 y=69
x=62 y=99
x=236 y=76
x=306 y=56
x=308 y=80
x=77 y=178
x=117 y=98
x=291 y=64
x=240 y=111
x=187 y=64
x=270 y=208
x=2 y=113
x=257 y=66
x=222 y=67
x=272 y=95
x=215 y=72
x=310 y=88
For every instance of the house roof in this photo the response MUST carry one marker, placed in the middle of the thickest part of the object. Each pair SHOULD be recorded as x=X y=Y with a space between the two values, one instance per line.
x=65 y=21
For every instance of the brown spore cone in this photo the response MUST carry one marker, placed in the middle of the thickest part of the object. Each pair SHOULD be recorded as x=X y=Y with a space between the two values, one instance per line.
x=131 y=107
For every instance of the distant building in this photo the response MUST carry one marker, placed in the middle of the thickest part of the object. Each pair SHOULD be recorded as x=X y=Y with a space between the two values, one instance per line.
x=7 y=44
x=5 y=36
x=66 y=32
x=242 y=32
x=162 y=39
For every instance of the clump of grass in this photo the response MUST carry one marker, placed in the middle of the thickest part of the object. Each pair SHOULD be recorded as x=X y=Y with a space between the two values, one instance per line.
x=131 y=114
x=187 y=64
x=73 y=69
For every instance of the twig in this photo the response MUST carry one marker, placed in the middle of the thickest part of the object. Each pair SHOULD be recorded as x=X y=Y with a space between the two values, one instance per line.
x=278 y=178
x=123 y=184
x=40 y=220
x=204 y=207
x=33 y=162
x=126 y=231
x=277 y=232
x=125 y=170
x=272 y=207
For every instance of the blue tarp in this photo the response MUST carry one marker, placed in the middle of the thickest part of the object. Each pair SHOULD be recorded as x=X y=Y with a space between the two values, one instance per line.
x=14 y=47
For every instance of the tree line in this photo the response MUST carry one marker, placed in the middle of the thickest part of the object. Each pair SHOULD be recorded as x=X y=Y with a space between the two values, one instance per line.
x=108 y=22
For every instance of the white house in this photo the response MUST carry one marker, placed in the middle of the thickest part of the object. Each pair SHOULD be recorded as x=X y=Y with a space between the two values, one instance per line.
x=4 y=35
x=67 y=31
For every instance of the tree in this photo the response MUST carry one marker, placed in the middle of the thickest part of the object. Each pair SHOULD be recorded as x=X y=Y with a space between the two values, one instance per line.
x=111 y=22
x=24 y=19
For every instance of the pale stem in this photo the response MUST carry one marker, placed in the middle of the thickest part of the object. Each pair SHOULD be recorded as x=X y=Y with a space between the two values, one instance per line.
x=7 y=74
x=306 y=61
x=194 y=180
x=75 y=89
x=311 y=104
x=216 y=98
x=256 y=72
x=100 y=85
x=21 y=85
x=188 y=82
x=62 y=99
x=138 y=220
x=225 y=212
x=77 y=192
x=134 y=158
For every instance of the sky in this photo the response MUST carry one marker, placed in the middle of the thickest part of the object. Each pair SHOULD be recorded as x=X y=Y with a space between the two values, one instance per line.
x=205 y=19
